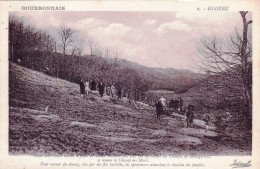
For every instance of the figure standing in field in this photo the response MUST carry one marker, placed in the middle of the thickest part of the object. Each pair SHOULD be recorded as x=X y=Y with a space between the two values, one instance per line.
x=108 y=90
x=190 y=116
x=112 y=90
x=87 y=86
x=119 y=92
x=93 y=85
x=101 y=87
x=82 y=88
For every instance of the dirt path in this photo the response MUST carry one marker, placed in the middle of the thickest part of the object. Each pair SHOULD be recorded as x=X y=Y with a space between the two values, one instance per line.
x=48 y=116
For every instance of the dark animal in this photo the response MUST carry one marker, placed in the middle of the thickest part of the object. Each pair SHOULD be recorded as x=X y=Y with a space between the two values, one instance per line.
x=174 y=104
x=159 y=109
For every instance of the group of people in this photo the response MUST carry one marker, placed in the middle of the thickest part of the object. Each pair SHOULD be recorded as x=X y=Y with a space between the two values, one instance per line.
x=111 y=91
x=161 y=109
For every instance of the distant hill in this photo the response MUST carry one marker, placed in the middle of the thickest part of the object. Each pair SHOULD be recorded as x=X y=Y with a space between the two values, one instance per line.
x=171 y=79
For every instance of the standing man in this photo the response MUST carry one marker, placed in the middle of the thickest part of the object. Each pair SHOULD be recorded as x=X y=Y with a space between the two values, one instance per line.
x=189 y=116
x=119 y=92
x=101 y=87
x=93 y=84
x=82 y=88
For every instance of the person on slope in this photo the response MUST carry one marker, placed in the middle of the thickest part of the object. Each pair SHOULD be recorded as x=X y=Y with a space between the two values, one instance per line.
x=93 y=85
x=101 y=87
x=82 y=88
x=119 y=92
x=190 y=116
x=87 y=86
x=112 y=91
x=108 y=90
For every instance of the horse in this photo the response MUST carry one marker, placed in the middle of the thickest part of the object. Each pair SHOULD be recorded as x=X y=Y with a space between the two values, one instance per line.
x=174 y=104
x=161 y=107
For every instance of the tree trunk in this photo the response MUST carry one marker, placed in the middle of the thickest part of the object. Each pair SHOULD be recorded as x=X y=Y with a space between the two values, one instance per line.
x=245 y=66
x=64 y=49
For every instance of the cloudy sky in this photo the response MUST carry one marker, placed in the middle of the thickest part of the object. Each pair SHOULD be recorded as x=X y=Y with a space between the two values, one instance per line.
x=154 y=39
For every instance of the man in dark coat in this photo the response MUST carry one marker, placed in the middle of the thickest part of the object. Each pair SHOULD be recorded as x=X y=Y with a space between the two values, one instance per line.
x=82 y=88
x=101 y=87
x=93 y=85
x=119 y=92
x=190 y=116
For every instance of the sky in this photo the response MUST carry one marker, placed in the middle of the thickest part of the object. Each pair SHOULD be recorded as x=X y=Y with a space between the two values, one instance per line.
x=153 y=39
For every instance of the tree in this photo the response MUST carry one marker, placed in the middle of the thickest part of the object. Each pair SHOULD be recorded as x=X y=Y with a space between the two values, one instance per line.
x=66 y=37
x=25 y=38
x=116 y=58
x=73 y=50
x=80 y=49
x=229 y=63
x=246 y=62
x=92 y=47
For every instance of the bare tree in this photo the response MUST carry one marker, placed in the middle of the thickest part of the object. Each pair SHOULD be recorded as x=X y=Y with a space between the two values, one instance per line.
x=92 y=47
x=66 y=34
x=246 y=62
x=229 y=63
x=116 y=58
x=74 y=50
x=80 y=49
x=98 y=52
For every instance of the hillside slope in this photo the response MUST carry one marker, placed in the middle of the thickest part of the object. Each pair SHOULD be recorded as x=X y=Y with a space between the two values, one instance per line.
x=166 y=78
x=92 y=125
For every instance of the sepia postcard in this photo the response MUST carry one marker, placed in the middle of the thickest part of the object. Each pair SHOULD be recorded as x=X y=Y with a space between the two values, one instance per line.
x=129 y=84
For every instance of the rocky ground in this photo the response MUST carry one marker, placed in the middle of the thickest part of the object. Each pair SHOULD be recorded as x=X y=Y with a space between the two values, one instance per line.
x=47 y=116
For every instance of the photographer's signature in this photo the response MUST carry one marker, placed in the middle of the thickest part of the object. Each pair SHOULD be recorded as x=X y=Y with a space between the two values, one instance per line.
x=239 y=164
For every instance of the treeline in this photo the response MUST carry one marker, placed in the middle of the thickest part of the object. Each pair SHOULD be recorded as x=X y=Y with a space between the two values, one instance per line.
x=37 y=50
x=224 y=91
x=24 y=37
